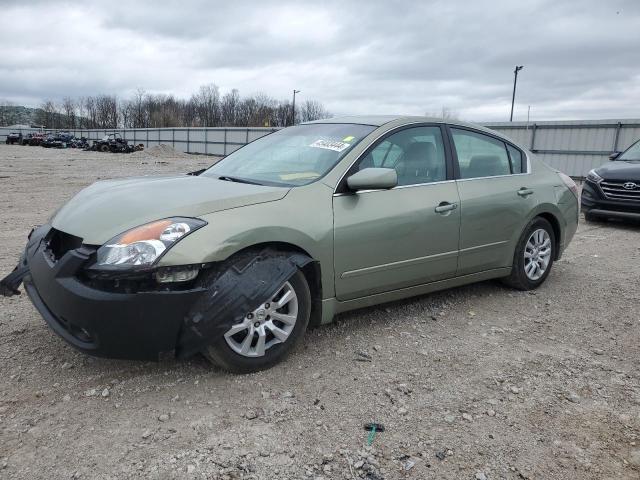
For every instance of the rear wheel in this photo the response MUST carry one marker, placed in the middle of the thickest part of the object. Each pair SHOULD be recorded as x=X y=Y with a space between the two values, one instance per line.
x=534 y=256
x=267 y=332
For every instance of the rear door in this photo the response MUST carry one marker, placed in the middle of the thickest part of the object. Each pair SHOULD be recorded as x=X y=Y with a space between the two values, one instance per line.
x=495 y=199
x=390 y=239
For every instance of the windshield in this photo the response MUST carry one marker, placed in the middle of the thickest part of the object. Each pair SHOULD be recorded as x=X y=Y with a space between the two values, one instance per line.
x=292 y=156
x=632 y=153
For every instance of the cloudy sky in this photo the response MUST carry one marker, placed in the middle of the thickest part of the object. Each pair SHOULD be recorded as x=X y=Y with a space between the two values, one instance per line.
x=581 y=57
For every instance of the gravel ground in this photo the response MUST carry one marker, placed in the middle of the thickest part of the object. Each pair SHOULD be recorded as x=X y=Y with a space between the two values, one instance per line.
x=478 y=382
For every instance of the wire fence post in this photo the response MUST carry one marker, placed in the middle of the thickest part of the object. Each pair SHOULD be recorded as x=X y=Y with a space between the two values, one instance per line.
x=617 y=137
x=533 y=136
x=224 y=145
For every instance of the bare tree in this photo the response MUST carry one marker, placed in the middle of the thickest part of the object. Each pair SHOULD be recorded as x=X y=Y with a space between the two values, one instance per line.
x=229 y=108
x=207 y=104
x=107 y=111
x=204 y=108
x=47 y=114
x=312 y=110
x=69 y=110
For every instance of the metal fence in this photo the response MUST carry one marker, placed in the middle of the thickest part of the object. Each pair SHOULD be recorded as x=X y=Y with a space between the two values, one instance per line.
x=574 y=147
x=203 y=140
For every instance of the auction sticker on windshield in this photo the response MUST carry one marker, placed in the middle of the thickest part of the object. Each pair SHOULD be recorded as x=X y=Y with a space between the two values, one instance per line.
x=334 y=145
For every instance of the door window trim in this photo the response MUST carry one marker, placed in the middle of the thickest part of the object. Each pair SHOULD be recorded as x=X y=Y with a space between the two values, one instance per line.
x=448 y=158
x=454 y=153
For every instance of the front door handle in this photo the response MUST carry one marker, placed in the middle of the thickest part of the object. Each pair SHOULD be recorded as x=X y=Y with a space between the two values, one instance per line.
x=445 y=207
x=523 y=192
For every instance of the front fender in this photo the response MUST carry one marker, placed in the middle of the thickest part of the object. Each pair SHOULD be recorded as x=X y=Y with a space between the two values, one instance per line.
x=303 y=219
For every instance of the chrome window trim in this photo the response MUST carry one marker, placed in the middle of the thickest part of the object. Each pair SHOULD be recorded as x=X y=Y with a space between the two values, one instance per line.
x=493 y=176
x=397 y=187
x=451 y=125
x=495 y=137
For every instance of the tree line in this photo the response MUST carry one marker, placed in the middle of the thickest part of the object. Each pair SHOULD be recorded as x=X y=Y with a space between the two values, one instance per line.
x=205 y=108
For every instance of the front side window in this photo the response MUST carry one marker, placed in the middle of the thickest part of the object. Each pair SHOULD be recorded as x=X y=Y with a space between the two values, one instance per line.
x=417 y=155
x=480 y=155
x=292 y=156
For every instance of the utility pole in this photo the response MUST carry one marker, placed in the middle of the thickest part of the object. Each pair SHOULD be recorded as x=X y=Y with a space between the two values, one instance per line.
x=515 y=81
x=293 y=113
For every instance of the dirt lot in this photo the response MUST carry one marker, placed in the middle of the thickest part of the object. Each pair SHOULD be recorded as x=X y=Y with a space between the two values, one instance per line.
x=479 y=382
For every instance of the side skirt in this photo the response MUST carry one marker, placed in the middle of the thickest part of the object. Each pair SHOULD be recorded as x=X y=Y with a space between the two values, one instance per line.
x=332 y=306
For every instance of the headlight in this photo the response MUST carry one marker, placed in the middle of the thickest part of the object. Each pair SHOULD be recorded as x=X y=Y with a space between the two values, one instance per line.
x=594 y=177
x=144 y=245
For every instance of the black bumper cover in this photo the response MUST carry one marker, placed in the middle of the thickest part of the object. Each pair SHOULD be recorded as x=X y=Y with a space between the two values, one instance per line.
x=593 y=202
x=140 y=326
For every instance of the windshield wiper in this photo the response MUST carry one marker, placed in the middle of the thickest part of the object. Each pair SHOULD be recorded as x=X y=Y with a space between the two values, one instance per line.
x=227 y=178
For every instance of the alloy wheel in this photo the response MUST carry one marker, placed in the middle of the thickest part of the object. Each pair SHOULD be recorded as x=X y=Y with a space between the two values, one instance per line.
x=269 y=324
x=537 y=254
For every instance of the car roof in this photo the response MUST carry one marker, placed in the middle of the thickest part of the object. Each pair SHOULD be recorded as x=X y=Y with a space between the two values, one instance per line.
x=399 y=120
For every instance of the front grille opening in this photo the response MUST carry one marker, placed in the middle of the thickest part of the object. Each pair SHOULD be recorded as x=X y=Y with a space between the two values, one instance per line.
x=621 y=190
x=60 y=243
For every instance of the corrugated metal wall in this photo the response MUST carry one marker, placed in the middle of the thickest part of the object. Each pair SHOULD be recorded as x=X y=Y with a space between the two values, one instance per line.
x=204 y=140
x=574 y=147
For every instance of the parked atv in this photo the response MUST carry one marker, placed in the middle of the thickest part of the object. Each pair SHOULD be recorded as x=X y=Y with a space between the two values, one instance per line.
x=113 y=143
x=80 y=143
x=59 y=140
x=14 y=138
x=36 y=138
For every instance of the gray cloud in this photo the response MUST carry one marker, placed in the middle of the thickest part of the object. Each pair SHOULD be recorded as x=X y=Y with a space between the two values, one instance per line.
x=580 y=56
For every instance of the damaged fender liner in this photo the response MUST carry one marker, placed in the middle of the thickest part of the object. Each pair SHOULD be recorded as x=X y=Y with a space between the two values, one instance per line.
x=9 y=284
x=238 y=286
x=145 y=325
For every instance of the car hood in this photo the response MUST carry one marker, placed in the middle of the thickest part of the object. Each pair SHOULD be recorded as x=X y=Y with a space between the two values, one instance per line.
x=620 y=170
x=108 y=208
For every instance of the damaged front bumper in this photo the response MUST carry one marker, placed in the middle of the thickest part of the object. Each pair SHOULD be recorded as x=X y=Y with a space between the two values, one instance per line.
x=143 y=325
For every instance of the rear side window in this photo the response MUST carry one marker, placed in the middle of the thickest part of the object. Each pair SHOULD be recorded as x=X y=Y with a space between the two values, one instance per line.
x=517 y=161
x=480 y=155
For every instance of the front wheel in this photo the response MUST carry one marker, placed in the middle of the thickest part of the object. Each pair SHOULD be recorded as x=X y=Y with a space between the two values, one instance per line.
x=267 y=332
x=533 y=257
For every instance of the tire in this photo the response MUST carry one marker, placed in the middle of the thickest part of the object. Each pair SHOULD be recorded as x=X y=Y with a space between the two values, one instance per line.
x=104 y=148
x=519 y=278
x=220 y=350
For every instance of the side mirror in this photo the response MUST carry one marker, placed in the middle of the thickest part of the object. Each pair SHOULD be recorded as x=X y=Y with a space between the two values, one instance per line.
x=373 y=179
x=614 y=155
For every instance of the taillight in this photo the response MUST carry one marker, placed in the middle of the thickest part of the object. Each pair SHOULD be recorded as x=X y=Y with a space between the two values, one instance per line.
x=571 y=185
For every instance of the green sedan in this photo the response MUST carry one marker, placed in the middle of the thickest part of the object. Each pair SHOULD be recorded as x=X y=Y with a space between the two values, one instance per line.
x=238 y=260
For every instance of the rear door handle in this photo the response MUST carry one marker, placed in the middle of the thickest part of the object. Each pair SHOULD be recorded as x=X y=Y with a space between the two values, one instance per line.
x=445 y=207
x=523 y=192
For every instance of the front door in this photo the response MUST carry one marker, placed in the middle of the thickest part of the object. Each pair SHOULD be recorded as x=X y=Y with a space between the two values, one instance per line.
x=390 y=239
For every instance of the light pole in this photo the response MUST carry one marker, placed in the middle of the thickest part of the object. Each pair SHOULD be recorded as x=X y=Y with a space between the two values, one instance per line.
x=515 y=81
x=293 y=113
